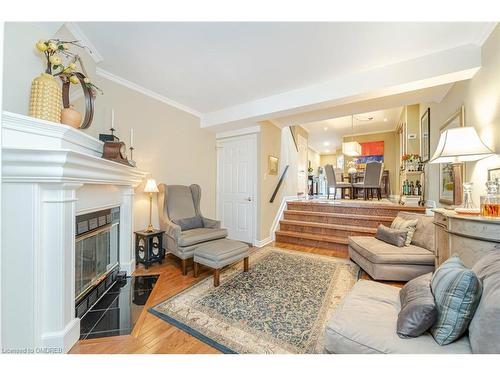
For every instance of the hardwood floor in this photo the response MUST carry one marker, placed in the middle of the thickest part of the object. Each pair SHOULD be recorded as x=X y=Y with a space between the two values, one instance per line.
x=153 y=335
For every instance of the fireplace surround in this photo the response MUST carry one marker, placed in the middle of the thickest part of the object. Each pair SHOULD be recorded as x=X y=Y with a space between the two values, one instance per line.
x=52 y=173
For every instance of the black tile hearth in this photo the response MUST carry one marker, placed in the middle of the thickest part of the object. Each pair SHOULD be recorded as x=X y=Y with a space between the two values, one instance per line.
x=118 y=310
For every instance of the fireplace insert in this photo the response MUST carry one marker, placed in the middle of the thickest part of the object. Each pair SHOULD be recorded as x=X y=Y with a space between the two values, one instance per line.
x=96 y=256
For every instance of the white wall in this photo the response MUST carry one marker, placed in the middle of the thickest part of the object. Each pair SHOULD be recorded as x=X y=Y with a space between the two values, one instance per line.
x=481 y=98
x=169 y=142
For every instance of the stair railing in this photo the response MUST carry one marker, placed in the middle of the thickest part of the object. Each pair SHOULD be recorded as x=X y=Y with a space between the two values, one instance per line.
x=278 y=185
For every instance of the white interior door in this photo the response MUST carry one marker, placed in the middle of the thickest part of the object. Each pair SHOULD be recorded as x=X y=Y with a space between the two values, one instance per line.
x=236 y=186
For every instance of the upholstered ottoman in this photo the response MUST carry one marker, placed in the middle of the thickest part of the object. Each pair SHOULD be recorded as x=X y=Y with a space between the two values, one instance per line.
x=218 y=254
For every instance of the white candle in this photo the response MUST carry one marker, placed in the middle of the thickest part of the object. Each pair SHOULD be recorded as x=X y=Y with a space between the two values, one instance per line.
x=113 y=119
x=131 y=137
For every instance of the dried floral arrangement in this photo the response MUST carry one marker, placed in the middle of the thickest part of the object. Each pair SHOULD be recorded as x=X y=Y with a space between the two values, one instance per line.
x=61 y=62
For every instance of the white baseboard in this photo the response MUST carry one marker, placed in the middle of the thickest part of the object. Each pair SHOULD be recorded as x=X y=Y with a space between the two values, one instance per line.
x=279 y=214
x=264 y=242
x=63 y=340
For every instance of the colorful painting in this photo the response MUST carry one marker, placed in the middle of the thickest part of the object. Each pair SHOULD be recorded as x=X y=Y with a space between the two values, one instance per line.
x=371 y=151
x=375 y=148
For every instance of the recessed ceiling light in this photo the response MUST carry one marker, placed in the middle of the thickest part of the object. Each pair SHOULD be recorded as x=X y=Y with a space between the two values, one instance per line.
x=325 y=128
x=326 y=143
x=327 y=151
x=385 y=120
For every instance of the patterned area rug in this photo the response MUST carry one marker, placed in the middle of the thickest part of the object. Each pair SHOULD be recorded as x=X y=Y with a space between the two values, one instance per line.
x=280 y=306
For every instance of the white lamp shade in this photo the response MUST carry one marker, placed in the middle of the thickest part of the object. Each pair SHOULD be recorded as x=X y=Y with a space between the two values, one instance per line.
x=351 y=148
x=458 y=145
x=151 y=186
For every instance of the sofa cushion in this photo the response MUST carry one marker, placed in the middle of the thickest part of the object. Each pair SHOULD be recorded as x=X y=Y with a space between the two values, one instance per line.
x=418 y=309
x=408 y=225
x=365 y=322
x=391 y=236
x=424 y=231
x=484 y=329
x=377 y=251
x=457 y=291
x=199 y=235
x=188 y=223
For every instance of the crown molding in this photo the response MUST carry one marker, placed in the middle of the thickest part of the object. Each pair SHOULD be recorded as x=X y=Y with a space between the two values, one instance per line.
x=80 y=35
x=486 y=32
x=133 y=86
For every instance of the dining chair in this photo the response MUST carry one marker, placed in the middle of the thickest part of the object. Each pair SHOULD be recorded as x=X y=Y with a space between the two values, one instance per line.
x=334 y=182
x=372 y=180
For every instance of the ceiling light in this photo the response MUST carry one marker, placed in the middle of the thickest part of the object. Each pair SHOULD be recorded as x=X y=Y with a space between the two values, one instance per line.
x=385 y=120
x=326 y=143
x=325 y=128
x=327 y=151
x=352 y=148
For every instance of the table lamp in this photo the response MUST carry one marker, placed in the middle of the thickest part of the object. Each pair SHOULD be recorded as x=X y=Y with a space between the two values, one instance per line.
x=150 y=188
x=456 y=146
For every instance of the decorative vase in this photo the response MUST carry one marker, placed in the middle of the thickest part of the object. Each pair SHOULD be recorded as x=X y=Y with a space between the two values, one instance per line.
x=45 y=100
x=71 y=117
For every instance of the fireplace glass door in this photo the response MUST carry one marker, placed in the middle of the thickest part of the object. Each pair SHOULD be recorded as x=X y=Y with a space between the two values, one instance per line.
x=96 y=248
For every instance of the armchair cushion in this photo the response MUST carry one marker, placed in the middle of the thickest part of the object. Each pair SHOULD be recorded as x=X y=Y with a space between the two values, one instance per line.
x=210 y=223
x=199 y=235
x=189 y=222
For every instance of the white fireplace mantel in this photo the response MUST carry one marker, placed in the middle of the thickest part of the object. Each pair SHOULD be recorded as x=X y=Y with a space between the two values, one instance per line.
x=51 y=173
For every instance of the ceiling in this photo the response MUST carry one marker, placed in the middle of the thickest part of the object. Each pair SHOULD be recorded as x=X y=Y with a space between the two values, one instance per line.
x=212 y=66
x=325 y=136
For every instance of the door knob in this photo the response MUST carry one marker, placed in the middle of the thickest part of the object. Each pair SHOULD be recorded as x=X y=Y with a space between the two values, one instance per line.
x=249 y=199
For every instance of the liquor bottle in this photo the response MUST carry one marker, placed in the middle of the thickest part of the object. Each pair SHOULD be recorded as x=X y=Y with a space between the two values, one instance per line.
x=412 y=188
x=490 y=203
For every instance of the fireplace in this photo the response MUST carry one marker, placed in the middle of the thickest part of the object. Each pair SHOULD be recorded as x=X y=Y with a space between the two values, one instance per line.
x=52 y=174
x=96 y=256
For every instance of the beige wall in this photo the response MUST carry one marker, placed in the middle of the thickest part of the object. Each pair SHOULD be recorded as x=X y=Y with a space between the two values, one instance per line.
x=169 y=142
x=390 y=155
x=329 y=159
x=269 y=145
x=481 y=98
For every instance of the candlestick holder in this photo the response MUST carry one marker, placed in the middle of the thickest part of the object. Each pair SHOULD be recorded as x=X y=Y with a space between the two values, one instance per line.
x=132 y=161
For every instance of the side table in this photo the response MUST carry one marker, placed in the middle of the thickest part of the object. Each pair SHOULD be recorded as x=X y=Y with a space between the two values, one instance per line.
x=149 y=247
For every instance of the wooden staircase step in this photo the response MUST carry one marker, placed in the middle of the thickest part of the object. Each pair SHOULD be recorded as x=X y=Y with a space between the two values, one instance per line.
x=355 y=207
x=336 y=230
x=371 y=221
x=313 y=240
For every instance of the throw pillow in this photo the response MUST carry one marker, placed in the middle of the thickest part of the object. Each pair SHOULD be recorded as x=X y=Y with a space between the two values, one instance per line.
x=457 y=291
x=392 y=236
x=418 y=310
x=188 y=223
x=484 y=329
x=409 y=225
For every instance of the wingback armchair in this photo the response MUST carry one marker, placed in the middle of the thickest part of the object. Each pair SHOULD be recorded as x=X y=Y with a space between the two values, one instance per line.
x=184 y=225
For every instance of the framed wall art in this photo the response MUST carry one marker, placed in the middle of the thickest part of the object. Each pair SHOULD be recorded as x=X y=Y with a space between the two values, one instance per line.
x=451 y=176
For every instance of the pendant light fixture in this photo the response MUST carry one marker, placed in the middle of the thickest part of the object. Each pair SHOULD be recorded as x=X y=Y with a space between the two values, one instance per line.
x=352 y=148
